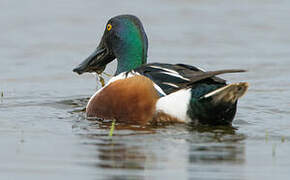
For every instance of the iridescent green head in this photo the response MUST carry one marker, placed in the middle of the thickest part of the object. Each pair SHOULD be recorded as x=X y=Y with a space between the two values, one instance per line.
x=124 y=39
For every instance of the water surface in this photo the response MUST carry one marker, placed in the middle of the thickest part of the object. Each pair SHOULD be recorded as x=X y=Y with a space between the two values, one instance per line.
x=42 y=137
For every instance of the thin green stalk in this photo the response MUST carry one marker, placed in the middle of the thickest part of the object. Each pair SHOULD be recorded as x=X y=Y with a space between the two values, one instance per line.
x=112 y=128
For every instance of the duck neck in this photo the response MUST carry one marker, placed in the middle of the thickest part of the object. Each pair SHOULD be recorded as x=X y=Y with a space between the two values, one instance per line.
x=132 y=53
x=130 y=61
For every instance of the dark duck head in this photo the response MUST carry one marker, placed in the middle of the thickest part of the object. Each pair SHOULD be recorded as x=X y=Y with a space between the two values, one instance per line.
x=124 y=39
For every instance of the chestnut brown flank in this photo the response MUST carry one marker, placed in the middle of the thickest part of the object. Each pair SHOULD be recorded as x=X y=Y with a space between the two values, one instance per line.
x=163 y=118
x=130 y=100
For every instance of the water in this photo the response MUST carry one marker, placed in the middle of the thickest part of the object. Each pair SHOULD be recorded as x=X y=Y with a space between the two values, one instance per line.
x=43 y=137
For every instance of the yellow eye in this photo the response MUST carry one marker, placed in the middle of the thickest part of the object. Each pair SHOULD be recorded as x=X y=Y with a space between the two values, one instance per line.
x=109 y=27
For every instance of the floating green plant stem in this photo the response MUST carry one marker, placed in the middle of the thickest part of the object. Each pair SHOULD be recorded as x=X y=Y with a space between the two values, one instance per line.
x=109 y=75
x=112 y=128
x=101 y=79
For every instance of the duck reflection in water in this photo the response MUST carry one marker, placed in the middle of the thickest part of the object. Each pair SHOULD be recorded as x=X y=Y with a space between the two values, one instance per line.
x=216 y=145
x=121 y=151
x=135 y=152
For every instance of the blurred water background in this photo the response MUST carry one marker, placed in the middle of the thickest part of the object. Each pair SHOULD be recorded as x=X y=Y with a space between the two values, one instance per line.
x=42 y=137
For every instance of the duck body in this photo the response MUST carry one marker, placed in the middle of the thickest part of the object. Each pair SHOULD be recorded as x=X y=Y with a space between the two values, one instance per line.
x=156 y=92
x=134 y=97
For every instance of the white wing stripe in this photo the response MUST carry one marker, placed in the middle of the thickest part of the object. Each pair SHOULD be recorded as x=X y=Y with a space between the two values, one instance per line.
x=165 y=69
x=175 y=75
x=214 y=92
x=170 y=84
x=159 y=89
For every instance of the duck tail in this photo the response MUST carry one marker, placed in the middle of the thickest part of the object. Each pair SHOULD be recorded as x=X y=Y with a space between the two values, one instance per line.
x=217 y=106
x=227 y=94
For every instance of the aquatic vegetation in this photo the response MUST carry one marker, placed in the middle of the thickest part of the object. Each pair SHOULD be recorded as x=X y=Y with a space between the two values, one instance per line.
x=112 y=128
x=101 y=79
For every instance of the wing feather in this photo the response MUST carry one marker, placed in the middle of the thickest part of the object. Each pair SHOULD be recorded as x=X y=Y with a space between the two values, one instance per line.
x=173 y=77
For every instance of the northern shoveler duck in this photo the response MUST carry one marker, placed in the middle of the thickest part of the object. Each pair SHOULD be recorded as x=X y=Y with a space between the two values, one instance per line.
x=143 y=93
